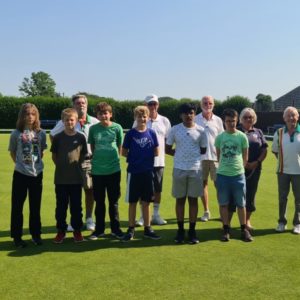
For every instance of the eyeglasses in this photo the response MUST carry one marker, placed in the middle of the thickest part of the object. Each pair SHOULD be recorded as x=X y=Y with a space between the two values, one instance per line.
x=247 y=117
x=152 y=103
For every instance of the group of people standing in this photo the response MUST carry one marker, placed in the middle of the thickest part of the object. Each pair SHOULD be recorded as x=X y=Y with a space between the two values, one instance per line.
x=86 y=153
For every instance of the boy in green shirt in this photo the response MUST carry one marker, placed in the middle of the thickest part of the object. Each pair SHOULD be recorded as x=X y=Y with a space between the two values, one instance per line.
x=106 y=139
x=232 y=152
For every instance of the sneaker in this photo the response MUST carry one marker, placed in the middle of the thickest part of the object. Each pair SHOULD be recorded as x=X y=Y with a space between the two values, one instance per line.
x=139 y=222
x=128 y=236
x=192 y=237
x=37 y=240
x=225 y=236
x=90 y=225
x=70 y=228
x=296 y=229
x=281 y=227
x=78 y=238
x=246 y=236
x=150 y=234
x=205 y=217
x=59 y=237
x=118 y=234
x=19 y=243
x=179 y=238
x=94 y=236
x=157 y=220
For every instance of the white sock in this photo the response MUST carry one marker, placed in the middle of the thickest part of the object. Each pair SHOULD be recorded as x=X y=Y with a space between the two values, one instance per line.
x=155 y=209
x=141 y=210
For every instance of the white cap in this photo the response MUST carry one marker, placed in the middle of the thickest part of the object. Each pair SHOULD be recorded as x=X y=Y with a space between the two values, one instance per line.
x=151 y=98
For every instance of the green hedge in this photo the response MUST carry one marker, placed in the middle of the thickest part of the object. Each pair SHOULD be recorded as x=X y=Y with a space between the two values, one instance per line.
x=50 y=108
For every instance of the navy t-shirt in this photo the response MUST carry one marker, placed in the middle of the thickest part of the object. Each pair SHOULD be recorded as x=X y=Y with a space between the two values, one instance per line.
x=140 y=147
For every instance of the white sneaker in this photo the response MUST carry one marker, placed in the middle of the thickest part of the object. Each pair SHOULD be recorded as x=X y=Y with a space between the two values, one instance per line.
x=90 y=225
x=70 y=228
x=205 y=217
x=139 y=222
x=157 y=220
x=281 y=227
x=296 y=229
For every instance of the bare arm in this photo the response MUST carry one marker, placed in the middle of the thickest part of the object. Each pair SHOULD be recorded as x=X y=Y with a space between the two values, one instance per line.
x=218 y=153
x=54 y=158
x=13 y=156
x=245 y=156
x=255 y=164
x=169 y=150
x=124 y=152
x=156 y=151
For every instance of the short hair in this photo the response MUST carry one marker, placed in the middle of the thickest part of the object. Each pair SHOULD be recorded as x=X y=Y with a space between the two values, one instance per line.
x=207 y=97
x=21 y=121
x=251 y=112
x=101 y=107
x=229 y=112
x=78 y=96
x=141 y=110
x=289 y=109
x=187 y=107
x=67 y=112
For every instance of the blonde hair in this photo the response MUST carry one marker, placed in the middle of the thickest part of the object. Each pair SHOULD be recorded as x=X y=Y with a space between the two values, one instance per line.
x=141 y=110
x=21 y=121
x=69 y=112
x=251 y=112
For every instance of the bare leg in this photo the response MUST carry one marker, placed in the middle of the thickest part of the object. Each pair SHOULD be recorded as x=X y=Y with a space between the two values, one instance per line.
x=204 y=198
x=242 y=215
x=180 y=203
x=89 y=203
x=131 y=214
x=224 y=214
x=146 y=213
x=193 y=209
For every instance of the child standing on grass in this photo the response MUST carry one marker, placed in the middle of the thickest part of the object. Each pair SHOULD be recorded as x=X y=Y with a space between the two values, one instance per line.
x=26 y=146
x=68 y=149
x=190 y=142
x=232 y=152
x=140 y=147
x=106 y=139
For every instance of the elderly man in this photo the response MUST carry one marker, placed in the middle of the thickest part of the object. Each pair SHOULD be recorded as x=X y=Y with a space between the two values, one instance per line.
x=80 y=103
x=161 y=125
x=213 y=126
x=286 y=147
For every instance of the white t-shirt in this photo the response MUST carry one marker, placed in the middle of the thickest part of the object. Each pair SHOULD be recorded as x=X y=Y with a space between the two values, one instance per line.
x=188 y=142
x=162 y=126
x=59 y=127
x=213 y=127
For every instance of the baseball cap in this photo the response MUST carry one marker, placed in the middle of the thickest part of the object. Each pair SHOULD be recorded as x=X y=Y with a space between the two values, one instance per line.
x=151 y=98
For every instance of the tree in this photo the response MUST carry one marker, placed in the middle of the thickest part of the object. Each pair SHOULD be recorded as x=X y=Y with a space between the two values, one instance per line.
x=236 y=102
x=263 y=103
x=39 y=84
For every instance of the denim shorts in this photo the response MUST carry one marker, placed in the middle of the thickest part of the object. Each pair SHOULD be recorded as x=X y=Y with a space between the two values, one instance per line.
x=231 y=189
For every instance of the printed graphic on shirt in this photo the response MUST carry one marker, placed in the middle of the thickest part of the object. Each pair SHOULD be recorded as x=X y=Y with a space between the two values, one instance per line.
x=230 y=150
x=30 y=147
x=143 y=142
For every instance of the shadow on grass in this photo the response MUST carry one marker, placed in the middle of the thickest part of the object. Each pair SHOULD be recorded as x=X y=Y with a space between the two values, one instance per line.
x=108 y=242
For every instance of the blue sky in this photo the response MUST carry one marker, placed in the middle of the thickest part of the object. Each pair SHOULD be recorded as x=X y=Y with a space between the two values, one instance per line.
x=126 y=49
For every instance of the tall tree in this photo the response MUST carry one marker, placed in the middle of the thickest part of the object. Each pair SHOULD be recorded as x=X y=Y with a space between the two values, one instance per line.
x=263 y=103
x=39 y=84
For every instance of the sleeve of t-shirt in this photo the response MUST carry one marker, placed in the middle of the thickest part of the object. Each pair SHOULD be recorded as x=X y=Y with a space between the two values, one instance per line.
x=126 y=143
x=168 y=127
x=263 y=139
x=245 y=142
x=119 y=136
x=171 y=137
x=275 y=143
x=54 y=145
x=43 y=140
x=13 y=141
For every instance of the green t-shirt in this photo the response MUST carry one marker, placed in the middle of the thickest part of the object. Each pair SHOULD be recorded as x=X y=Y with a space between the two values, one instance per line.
x=106 y=142
x=231 y=147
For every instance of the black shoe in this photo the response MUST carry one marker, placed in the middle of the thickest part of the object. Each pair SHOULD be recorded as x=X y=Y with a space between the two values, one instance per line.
x=118 y=233
x=179 y=238
x=225 y=236
x=37 y=240
x=19 y=243
x=192 y=237
x=150 y=234
x=246 y=236
x=128 y=236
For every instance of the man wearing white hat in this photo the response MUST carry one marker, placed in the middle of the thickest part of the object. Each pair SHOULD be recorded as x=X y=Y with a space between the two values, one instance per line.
x=161 y=125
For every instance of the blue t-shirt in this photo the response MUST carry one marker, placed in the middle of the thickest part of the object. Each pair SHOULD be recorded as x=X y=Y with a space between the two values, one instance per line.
x=140 y=147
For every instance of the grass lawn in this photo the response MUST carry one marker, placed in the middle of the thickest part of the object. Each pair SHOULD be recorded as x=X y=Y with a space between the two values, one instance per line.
x=268 y=268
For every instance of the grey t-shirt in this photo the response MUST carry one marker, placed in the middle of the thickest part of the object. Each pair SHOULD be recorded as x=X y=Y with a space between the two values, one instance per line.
x=70 y=151
x=28 y=147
